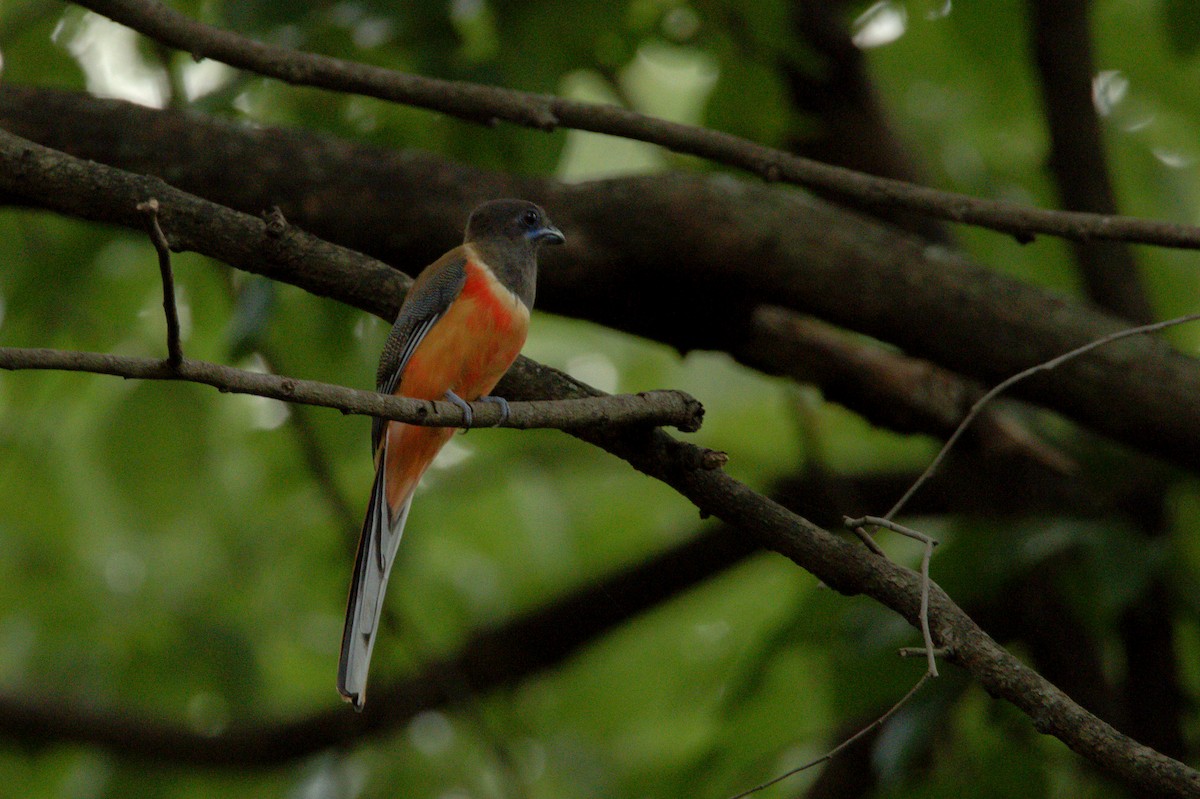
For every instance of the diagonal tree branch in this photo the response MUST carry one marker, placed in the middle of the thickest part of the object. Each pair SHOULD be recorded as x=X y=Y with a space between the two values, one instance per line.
x=845 y=568
x=491 y=659
x=487 y=104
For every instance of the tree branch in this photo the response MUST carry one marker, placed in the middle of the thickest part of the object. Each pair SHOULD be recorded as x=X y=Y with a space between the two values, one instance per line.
x=853 y=128
x=491 y=659
x=849 y=569
x=889 y=389
x=672 y=408
x=735 y=247
x=543 y=112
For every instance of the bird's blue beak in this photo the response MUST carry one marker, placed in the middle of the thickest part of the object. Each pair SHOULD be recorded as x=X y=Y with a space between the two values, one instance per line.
x=546 y=235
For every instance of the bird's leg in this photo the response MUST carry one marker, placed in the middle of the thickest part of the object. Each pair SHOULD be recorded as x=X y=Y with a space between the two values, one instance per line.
x=468 y=417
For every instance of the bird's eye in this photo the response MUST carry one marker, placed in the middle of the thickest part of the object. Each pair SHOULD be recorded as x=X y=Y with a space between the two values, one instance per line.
x=530 y=218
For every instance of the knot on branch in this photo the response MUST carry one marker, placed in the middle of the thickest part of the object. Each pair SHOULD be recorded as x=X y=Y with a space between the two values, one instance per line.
x=767 y=165
x=702 y=459
x=541 y=115
x=275 y=222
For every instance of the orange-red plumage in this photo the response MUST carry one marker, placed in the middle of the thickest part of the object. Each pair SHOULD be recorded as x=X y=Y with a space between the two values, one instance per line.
x=466 y=352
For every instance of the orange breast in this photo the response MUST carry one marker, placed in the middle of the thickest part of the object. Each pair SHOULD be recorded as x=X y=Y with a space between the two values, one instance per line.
x=472 y=345
x=467 y=352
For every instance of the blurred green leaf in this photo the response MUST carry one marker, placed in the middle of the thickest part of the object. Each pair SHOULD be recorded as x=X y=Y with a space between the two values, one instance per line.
x=1181 y=20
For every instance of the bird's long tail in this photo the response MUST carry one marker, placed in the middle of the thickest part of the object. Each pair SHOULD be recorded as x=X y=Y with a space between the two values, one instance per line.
x=377 y=547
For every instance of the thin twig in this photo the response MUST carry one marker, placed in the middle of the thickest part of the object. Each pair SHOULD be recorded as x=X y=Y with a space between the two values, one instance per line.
x=651 y=408
x=858 y=524
x=920 y=652
x=868 y=540
x=1045 y=366
x=487 y=104
x=837 y=750
x=149 y=209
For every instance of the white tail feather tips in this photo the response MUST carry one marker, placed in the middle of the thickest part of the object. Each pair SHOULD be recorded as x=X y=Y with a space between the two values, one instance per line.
x=377 y=549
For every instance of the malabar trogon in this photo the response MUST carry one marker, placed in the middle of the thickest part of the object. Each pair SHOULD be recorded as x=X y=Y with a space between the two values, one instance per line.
x=458 y=331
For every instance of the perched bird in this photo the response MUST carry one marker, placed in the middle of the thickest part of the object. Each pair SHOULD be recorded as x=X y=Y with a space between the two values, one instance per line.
x=459 y=330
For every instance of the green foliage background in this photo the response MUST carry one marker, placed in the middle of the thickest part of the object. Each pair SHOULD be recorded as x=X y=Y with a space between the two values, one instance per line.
x=167 y=551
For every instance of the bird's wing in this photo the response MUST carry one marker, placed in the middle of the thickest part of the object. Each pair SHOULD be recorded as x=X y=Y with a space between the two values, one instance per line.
x=427 y=301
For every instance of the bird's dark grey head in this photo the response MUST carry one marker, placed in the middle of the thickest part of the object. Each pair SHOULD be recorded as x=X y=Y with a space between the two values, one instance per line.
x=512 y=220
x=507 y=233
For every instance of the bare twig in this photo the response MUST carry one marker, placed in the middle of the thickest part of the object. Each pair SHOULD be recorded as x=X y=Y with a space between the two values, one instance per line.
x=921 y=652
x=1011 y=381
x=149 y=209
x=858 y=525
x=648 y=408
x=867 y=539
x=832 y=753
x=543 y=112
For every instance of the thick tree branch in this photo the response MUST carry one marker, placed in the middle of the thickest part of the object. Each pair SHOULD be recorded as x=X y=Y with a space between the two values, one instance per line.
x=892 y=390
x=489 y=660
x=672 y=408
x=735 y=247
x=486 y=104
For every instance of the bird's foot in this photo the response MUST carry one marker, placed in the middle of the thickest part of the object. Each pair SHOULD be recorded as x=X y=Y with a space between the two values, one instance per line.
x=468 y=417
x=503 y=403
